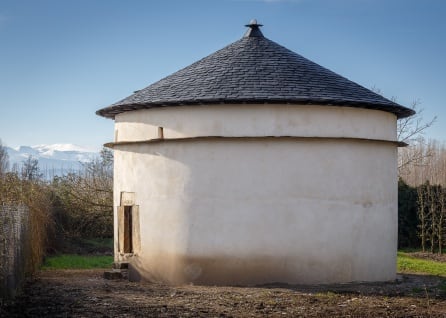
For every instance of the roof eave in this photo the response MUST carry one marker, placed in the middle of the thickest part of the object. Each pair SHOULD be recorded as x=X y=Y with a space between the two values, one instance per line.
x=398 y=110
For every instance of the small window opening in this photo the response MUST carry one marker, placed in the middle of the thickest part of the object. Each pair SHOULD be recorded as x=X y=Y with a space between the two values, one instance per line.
x=160 y=132
x=128 y=226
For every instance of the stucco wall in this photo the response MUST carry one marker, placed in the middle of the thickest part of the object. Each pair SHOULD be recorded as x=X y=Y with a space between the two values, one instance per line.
x=226 y=211
x=255 y=120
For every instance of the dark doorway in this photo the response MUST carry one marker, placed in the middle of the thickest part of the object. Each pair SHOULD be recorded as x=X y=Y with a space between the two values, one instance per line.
x=128 y=226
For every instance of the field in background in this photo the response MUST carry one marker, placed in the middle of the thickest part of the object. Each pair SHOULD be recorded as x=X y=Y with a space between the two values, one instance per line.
x=87 y=253
x=413 y=265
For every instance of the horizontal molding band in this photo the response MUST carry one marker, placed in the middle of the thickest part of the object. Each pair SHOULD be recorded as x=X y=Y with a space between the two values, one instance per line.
x=185 y=139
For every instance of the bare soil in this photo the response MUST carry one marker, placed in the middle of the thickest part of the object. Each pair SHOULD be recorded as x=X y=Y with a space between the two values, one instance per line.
x=85 y=293
x=430 y=256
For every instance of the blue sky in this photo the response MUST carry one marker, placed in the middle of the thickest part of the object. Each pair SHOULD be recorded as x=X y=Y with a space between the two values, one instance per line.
x=61 y=60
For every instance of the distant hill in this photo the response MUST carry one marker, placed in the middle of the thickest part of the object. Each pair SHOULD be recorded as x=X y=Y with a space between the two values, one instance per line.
x=56 y=159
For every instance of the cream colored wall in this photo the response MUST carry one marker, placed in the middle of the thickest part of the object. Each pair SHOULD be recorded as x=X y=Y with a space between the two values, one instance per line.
x=265 y=210
x=255 y=120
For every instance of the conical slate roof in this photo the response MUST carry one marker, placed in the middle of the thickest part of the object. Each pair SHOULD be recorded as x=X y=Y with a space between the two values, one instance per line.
x=254 y=70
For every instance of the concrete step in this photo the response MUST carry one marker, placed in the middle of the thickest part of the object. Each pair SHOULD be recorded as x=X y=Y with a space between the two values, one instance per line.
x=120 y=265
x=116 y=274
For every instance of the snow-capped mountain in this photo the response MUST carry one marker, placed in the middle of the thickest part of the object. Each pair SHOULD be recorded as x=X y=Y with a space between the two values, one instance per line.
x=56 y=159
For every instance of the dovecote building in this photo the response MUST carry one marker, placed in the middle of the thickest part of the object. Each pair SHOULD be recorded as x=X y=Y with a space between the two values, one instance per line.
x=256 y=165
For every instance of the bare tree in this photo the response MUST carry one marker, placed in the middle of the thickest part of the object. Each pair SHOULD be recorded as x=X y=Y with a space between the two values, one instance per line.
x=85 y=199
x=4 y=159
x=33 y=193
x=441 y=218
x=422 y=216
x=410 y=130
x=428 y=175
x=30 y=169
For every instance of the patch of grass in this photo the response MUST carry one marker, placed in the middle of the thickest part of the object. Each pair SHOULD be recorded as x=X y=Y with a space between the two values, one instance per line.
x=328 y=294
x=409 y=264
x=70 y=261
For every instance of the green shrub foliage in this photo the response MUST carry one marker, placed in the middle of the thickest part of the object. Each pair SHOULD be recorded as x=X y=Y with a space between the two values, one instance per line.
x=422 y=216
x=407 y=216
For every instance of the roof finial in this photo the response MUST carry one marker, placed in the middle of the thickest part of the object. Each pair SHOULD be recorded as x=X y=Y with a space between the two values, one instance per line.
x=254 y=29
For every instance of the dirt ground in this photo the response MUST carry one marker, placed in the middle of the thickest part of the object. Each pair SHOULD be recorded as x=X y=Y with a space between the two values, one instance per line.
x=84 y=293
x=430 y=256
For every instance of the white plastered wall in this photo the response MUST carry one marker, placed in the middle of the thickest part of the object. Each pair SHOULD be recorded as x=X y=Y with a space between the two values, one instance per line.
x=248 y=211
x=254 y=121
